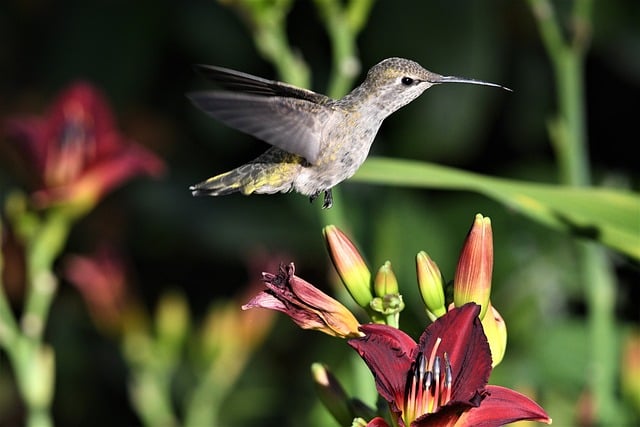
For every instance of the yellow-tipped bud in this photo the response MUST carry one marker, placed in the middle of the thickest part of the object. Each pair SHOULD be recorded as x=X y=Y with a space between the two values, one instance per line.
x=350 y=266
x=385 y=282
x=496 y=331
x=172 y=320
x=472 y=281
x=430 y=284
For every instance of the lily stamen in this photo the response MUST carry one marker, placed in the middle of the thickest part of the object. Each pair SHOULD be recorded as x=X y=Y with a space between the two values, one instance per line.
x=423 y=389
x=434 y=404
x=448 y=380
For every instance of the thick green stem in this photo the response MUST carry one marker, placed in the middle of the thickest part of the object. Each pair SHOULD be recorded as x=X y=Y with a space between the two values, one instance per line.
x=31 y=360
x=42 y=250
x=343 y=24
x=570 y=140
x=569 y=137
x=8 y=324
x=39 y=417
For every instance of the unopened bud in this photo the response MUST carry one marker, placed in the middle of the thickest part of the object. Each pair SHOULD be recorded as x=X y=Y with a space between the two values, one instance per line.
x=385 y=282
x=172 y=321
x=430 y=284
x=472 y=281
x=496 y=331
x=350 y=266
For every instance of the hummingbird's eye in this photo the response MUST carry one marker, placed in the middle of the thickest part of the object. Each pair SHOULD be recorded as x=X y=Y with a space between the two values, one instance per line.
x=407 y=81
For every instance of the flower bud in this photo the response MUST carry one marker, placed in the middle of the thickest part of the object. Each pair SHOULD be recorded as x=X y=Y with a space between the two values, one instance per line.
x=350 y=266
x=172 y=321
x=430 y=284
x=496 y=331
x=385 y=282
x=472 y=282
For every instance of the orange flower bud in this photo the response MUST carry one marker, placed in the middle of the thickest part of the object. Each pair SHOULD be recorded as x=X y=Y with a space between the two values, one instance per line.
x=350 y=266
x=472 y=282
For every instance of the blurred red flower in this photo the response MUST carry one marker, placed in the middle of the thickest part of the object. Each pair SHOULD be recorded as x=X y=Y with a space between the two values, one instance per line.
x=77 y=153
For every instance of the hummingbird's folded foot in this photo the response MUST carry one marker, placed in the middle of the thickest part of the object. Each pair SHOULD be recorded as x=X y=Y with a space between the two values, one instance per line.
x=328 y=199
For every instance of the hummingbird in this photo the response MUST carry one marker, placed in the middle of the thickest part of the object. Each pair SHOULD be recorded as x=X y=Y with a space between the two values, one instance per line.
x=316 y=141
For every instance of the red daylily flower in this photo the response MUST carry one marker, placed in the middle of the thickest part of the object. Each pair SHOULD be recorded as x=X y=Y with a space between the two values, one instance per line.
x=76 y=151
x=442 y=380
x=308 y=307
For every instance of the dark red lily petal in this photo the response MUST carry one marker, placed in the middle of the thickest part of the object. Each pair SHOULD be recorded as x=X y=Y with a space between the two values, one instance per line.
x=377 y=422
x=503 y=406
x=389 y=353
x=466 y=345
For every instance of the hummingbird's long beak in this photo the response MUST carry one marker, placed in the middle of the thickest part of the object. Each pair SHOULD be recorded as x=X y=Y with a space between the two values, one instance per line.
x=454 y=79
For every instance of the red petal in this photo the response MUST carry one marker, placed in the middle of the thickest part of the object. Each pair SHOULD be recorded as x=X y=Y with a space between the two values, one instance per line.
x=503 y=406
x=388 y=352
x=467 y=348
x=377 y=422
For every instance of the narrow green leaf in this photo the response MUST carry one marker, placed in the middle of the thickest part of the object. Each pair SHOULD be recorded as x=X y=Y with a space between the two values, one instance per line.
x=610 y=216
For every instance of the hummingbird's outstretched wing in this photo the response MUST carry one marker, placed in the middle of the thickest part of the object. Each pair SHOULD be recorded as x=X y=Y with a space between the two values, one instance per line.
x=247 y=83
x=285 y=116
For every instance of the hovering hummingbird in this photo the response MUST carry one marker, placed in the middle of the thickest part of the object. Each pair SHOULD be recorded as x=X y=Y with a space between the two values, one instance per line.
x=317 y=142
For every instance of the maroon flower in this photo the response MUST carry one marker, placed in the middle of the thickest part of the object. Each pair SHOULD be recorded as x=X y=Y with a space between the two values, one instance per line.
x=442 y=380
x=76 y=151
x=308 y=307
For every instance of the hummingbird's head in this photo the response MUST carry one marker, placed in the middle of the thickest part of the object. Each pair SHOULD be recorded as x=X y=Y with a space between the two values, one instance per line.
x=398 y=81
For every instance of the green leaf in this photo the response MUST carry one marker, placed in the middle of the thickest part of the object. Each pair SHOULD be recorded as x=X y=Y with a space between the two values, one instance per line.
x=610 y=216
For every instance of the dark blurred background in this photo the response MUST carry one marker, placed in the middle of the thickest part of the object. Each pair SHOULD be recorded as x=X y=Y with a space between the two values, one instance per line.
x=141 y=55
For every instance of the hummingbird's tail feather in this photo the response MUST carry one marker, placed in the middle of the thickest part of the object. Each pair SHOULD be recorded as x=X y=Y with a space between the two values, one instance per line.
x=257 y=176
x=218 y=185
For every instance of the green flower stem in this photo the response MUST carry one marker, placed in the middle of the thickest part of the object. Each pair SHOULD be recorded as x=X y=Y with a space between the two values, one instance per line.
x=152 y=368
x=42 y=250
x=343 y=23
x=216 y=381
x=8 y=324
x=205 y=403
x=267 y=23
x=568 y=134
x=32 y=361
x=151 y=397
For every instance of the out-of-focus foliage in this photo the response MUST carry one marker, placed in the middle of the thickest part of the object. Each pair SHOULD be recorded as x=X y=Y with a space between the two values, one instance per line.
x=140 y=54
